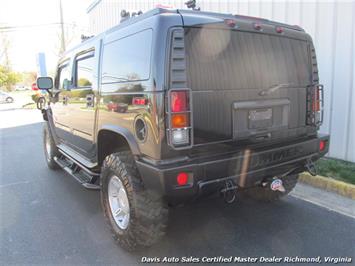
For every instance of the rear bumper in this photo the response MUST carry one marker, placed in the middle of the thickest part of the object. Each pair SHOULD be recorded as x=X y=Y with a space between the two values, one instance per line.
x=245 y=167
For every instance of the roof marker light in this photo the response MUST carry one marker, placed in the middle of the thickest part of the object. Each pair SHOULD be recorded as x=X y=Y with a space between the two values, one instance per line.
x=279 y=30
x=230 y=22
x=257 y=26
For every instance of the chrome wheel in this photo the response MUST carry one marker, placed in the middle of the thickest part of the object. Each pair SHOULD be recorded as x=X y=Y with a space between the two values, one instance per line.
x=48 y=147
x=118 y=201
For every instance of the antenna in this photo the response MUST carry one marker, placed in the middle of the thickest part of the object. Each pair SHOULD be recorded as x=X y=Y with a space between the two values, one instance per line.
x=124 y=15
x=192 y=4
x=84 y=37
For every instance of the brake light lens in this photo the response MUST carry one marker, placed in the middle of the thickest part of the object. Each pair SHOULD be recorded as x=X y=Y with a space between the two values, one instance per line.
x=179 y=101
x=322 y=145
x=179 y=118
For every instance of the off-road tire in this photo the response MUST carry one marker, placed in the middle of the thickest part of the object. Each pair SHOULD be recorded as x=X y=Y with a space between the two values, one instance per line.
x=53 y=148
x=266 y=194
x=148 y=211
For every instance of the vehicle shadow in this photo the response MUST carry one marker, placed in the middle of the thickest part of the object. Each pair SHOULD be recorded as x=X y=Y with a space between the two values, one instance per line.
x=214 y=228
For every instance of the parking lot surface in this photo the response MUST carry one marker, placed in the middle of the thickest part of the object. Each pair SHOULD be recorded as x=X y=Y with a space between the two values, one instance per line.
x=46 y=217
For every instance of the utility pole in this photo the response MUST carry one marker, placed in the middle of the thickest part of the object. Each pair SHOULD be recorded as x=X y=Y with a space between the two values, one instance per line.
x=62 y=39
x=4 y=50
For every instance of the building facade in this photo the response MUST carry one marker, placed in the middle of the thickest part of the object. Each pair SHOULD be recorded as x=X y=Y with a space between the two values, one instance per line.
x=331 y=25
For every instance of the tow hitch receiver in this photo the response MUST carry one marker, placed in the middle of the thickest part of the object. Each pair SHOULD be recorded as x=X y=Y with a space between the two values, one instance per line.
x=229 y=191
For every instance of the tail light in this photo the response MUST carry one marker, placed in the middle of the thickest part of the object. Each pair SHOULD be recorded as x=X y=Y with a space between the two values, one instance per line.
x=322 y=145
x=179 y=118
x=315 y=105
x=179 y=101
x=316 y=100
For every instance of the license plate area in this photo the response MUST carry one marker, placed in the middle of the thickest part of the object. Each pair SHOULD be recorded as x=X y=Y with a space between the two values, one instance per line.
x=252 y=119
x=260 y=118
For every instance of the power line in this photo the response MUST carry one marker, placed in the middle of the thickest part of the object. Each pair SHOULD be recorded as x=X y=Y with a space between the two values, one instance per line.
x=25 y=27
x=31 y=26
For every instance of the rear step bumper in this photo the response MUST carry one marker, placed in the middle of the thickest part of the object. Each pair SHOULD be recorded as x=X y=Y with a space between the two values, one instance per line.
x=246 y=168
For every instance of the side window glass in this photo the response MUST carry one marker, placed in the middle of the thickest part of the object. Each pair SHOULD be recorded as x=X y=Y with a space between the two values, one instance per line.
x=127 y=59
x=64 y=77
x=84 y=71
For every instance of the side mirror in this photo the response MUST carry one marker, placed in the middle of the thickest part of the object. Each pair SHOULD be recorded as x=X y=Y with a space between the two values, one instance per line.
x=45 y=83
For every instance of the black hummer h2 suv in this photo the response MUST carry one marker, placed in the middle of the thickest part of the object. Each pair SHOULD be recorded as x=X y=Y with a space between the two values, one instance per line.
x=174 y=104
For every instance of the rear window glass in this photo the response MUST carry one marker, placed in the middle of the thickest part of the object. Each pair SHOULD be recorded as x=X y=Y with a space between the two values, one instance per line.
x=227 y=60
x=127 y=59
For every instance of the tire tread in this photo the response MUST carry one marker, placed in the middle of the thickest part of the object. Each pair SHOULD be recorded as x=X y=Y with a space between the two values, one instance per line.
x=148 y=219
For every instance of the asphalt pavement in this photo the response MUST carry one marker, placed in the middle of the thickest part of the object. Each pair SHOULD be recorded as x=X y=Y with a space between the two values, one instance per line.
x=46 y=217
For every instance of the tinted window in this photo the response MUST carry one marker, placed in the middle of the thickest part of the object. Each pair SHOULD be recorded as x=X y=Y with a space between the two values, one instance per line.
x=84 y=71
x=242 y=60
x=64 y=74
x=127 y=59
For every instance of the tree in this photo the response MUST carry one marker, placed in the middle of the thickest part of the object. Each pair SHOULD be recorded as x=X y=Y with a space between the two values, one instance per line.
x=8 y=78
x=29 y=77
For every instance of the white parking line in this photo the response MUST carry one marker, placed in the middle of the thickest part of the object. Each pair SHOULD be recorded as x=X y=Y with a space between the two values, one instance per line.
x=14 y=184
x=325 y=199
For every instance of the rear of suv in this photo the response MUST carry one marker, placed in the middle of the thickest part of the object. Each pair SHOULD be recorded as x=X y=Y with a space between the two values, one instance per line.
x=175 y=104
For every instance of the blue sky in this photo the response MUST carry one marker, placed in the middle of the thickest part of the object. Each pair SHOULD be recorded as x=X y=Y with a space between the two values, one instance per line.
x=37 y=29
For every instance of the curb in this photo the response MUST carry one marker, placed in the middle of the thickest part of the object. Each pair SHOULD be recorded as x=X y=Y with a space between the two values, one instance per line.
x=329 y=184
